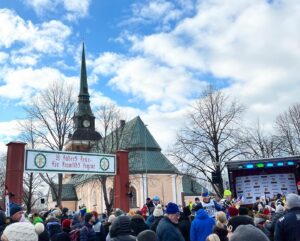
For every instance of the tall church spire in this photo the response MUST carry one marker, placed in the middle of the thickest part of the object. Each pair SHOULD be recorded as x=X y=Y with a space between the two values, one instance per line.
x=84 y=107
x=83 y=76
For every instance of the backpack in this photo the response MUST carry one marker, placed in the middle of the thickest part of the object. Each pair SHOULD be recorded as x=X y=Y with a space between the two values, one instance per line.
x=75 y=234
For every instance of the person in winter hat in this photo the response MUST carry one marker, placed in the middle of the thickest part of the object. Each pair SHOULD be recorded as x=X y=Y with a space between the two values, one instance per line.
x=220 y=228
x=87 y=233
x=16 y=212
x=201 y=226
x=167 y=229
x=270 y=226
x=107 y=225
x=147 y=235
x=98 y=227
x=2 y=222
x=234 y=222
x=184 y=224
x=66 y=225
x=233 y=211
x=121 y=230
x=287 y=227
x=20 y=231
x=158 y=215
x=137 y=224
x=213 y=237
x=248 y=233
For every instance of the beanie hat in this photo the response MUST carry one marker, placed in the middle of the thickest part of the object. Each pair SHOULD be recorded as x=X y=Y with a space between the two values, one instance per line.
x=87 y=217
x=292 y=201
x=158 y=211
x=248 y=233
x=21 y=231
x=66 y=223
x=232 y=211
x=39 y=228
x=111 y=218
x=205 y=194
x=14 y=208
x=147 y=235
x=227 y=193
x=172 y=208
x=197 y=199
x=279 y=208
x=65 y=210
x=156 y=198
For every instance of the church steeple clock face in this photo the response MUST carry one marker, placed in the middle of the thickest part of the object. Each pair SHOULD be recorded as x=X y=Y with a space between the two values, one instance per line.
x=86 y=123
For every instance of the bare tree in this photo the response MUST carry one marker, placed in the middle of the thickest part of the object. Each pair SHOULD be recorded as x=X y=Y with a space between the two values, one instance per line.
x=109 y=117
x=32 y=183
x=259 y=143
x=210 y=137
x=288 y=129
x=51 y=113
x=3 y=158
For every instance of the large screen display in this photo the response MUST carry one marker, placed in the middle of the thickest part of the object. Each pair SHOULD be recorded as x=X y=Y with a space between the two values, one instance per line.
x=250 y=187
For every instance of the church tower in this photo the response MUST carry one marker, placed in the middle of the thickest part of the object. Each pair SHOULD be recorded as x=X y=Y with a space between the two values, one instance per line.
x=84 y=135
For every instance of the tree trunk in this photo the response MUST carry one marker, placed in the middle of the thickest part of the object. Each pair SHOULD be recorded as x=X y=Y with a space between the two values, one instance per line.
x=29 y=201
x=59 y=191
x=108 y=205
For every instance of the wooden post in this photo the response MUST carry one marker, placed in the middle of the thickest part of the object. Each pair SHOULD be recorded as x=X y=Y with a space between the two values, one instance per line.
x=122 y=182
x=15 y=170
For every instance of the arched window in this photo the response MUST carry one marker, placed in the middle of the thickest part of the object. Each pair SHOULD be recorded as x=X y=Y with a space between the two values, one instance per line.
x=132 y=197
x=94 y=199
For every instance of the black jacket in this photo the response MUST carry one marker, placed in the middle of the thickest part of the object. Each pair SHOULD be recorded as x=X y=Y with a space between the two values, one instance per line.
x=184 y=226
x=270 y=227
x=221 y=232
x=137 y=225
x=288 y=227
x=155 y=223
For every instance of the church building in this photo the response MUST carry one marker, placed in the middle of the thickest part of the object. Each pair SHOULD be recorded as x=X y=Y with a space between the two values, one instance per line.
x=151 y=173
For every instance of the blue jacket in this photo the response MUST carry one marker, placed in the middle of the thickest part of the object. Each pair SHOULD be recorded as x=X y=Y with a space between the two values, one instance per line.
x=202 y=226
x=168 y=231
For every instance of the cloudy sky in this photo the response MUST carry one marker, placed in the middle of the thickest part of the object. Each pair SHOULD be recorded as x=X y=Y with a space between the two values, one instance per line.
x=151 y=57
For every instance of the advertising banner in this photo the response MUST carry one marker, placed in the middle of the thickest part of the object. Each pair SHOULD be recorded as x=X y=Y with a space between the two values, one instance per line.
x=70 y=162
x=250 y=187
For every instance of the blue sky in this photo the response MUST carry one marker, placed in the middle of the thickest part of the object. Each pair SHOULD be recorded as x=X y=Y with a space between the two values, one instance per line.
x=151 y=57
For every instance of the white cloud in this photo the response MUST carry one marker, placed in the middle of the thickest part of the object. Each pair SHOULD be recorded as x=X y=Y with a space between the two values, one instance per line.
x=22 y=83
x=76 y=8
x=40 y=6
x=48 y=37
x=3 y=57
x=24 y=60
x=8 y=132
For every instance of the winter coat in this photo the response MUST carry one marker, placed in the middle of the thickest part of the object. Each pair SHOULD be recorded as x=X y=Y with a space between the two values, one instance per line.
x=270 y=227
x=61 y=237
x=99 y=229
x=2 y=222
x=153 y=226
x=120 y=229
x=168 y=231
x=138 y=225
x=126 y=237
x=288 y=227
x=150 y=220
x=221 y=232
x=87 y=233
x=184 y=226
x=202 y=226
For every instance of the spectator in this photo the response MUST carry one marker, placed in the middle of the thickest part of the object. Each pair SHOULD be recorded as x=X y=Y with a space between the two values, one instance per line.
x=66 y=225
x=147 y=235
x=234 y=222
x=270 y=226
x=167 y=229
x=137 y=224
x=232 y=211
x=98 y=228
x=184 y=224
x=248 y=233
x=2 y=222
x=16 y=213
x=20 y=231
x=87 y=232
x=202 y=226
x=158 y=215
x=107 y=225
x=213 y=237
x=64 y=214
x=220 y=228
x=121 y=230
x=76 y=221
x=288 y=227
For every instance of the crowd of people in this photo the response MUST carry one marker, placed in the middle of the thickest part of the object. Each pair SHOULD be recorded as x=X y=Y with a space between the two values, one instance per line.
x=205 y=219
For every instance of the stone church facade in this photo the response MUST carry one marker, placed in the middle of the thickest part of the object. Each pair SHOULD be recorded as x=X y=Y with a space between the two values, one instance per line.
x=151 y=173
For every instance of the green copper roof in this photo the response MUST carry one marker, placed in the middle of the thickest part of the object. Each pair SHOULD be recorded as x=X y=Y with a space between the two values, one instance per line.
x=83 y=107
x=190 y=186
x=144 y=151
x=68 y=193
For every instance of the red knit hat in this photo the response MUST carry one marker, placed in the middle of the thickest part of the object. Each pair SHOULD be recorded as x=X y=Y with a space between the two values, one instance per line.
x=66 y=223
x=232 y=211
x=95 y=214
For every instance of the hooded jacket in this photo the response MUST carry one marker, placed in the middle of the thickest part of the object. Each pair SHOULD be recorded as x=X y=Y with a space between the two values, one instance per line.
x=168 y=231
x=202 y=226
